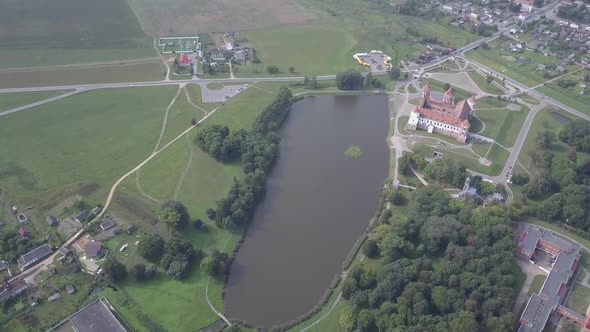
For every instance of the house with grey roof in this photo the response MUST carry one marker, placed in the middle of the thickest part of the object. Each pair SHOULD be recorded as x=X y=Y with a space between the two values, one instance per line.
x=82 y=216
x=98 y=316
x=33 y=256
x=51 y=220
x=107 y=223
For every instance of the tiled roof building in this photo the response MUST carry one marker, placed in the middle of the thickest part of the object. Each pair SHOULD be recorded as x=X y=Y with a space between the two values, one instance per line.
x=442 y=116
x=552 y=294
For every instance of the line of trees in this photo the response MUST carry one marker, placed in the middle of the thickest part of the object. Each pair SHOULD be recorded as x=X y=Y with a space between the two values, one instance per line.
x=446 y=266
x=349 y=80
x=257 y=149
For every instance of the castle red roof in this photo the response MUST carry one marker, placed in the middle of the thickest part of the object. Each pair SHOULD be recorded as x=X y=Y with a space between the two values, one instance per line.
x=445 y=111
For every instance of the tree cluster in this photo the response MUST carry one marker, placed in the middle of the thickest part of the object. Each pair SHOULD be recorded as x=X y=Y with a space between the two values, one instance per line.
x=258 y=149
x=349 y=80
x=12 y=245
x=576 y=134
x=562 y=181
x=175 y=256
x=220 y=144
x=373 y=82
x=458 y=279
x=215 y=265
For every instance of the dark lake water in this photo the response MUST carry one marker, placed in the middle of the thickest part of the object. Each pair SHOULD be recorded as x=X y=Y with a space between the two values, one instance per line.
x=318 y=203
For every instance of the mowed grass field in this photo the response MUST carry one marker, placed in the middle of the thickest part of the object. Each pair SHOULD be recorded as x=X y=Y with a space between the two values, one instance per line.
x=501 y=123
x=310 y=49
x=90 y=138
x=40 y=33
x=14 y=100
x=148 y=71
x=573 y=97
x=185 y=173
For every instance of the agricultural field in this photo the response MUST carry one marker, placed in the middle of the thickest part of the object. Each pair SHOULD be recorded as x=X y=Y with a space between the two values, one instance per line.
x=185 y=16
x=297 y=46
x=522 y=67
x=145 y=71
x=14 y=100
x=67 y=31
x=124 y=128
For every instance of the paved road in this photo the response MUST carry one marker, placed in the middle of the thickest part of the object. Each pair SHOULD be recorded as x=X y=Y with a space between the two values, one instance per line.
x=42 y=102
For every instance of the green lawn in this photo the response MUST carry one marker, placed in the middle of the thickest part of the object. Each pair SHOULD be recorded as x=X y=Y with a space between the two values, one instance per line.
x=64 y=31
x=579 y=299
x=147 y=71
x=436 y=85
x=14 y=100
x=501 y=124
x=570 y=97
x=91 y=138
x=506 y=63
x=310 y=49
x=536 y=284
x=544 y=120
x=519 y=277
x=483 y=84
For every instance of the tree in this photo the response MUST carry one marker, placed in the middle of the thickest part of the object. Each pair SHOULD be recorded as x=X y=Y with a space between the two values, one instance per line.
x=463 y=321
x=489 y=79
x=370 y=248
x=193 y=121
x=291 y=70
x=272 y=69
x=446 y=86
x=347 y=318
x=349 y=80
x=178 y=269
x=151 y=247
x=170 y=217
x=395 y=73
x=545 y=139
x=114 y=269
x=138 y=272
x=209 y=266
x=210 y=213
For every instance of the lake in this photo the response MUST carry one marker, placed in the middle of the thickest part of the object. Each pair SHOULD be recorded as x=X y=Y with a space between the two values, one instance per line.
x=318 y=203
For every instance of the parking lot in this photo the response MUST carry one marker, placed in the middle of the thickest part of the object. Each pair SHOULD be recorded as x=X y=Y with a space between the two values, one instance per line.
x=221 y=95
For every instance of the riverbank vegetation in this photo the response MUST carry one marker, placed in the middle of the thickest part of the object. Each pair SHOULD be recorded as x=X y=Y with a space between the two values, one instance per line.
x=445 y=266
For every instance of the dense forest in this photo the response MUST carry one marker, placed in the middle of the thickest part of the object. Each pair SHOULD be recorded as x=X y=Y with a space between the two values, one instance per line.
x=257 y=149
x=445 y=266
x=562 y=181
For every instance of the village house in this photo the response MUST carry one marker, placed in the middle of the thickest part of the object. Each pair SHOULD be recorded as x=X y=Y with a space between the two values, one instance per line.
x=107 y=223
x=51 y=220
x=34 y=256
x=93 y=249
x=526 y=5
x=184 y=61
x=82 y=216
x=443 y=117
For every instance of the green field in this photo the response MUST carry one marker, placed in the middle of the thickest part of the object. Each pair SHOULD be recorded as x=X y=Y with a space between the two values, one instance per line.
x=483 y=84
x=14 y=100
x=311 y=50
x=88 y=139
x=544 y=120
x=501 y=124
x=579 y=299
x=506 y=64
x=148 y=71
x=68 y=31
x=570 y=97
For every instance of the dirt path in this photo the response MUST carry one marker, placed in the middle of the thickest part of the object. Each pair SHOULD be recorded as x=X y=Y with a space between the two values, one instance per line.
x=143 y=193
x=188 y=165
x=180 y=87
x=190 y=101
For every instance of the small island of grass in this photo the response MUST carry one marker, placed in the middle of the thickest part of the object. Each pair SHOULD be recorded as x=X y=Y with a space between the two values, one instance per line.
x=353 y=152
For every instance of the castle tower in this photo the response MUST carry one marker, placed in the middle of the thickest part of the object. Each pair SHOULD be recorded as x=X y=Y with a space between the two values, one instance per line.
x=426 y=92
x=449 y=97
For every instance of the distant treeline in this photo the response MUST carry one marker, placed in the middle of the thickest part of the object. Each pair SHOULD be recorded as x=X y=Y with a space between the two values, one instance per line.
x=257 y=149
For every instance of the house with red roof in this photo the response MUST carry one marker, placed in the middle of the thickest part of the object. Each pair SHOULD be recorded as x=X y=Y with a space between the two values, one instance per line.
x=445 y=116
x=184 y=61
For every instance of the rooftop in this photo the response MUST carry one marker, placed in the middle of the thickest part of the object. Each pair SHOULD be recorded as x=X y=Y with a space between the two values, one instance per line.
x=35 y=255
x=96 y=317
